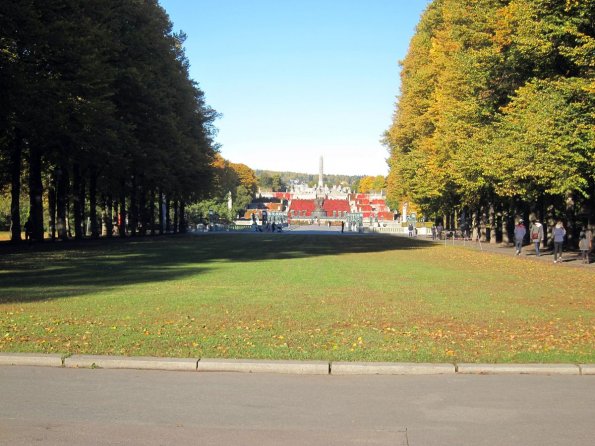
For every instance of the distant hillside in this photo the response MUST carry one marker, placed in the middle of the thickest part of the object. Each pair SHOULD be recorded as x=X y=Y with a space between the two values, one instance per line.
x=265 y=178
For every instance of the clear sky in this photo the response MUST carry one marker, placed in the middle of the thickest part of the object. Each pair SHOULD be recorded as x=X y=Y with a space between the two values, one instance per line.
x=298 y=79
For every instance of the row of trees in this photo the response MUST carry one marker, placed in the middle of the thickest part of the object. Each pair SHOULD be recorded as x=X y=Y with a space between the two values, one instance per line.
x=496 y=115
x=271 y=182
x=98 y=114
x=233 y=183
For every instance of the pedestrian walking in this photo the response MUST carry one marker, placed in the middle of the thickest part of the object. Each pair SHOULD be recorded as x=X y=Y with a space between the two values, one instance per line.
x=519 y=235
x=585 y=244
x=559 y=234
x=342 y=226
x=28 y=229
x=410 y=229
x=536 y=235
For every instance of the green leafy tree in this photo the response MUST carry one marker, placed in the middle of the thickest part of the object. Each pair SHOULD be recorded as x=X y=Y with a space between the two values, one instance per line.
x=97 y=102
x=546 y=140
x=496 y=108
x=246 y=177
x=277 y=184
x=265 y=181
x=243 y=197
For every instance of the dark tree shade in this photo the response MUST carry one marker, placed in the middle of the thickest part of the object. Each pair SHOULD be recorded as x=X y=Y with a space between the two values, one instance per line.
x=97 y=103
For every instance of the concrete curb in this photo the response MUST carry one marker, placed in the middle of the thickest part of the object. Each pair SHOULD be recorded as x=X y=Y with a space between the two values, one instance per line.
x=256 y=366
x=390 y=368
x=123 y=362
x=36 y=359
x=519 y=369
x=287 y=367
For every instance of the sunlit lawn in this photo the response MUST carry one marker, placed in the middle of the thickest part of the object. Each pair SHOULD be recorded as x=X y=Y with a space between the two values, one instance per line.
x=287 y=296
x=5 y=236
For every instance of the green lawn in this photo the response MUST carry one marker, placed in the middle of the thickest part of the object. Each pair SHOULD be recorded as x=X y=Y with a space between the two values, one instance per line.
x=290 y=296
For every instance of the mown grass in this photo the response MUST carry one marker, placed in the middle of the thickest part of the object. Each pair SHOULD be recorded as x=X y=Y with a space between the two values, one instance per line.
x=290 y=296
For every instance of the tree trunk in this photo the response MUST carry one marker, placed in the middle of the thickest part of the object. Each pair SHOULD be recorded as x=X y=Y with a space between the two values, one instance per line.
x=142 y=211
x=475 y=223
x=167 y=215
x=122 y=209
x=492 y=222
x=16 y=161
x=175 y=216
x=114 y=216
x=108 y=216
x=35 y=194
x=77 y=204
x=551 y=222
x=133 y=210
x=161 y=208
x=69 y=212
x=113 y=213
x=52 y=207
x=61 y=191
x=152 y=212
x=483 y=225
x=506 y=223
x=591 y=207
x=104 y=216
x=93 y=202
x=182 y=211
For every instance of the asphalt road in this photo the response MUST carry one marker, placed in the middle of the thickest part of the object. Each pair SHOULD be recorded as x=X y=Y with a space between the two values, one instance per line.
x=54 y=406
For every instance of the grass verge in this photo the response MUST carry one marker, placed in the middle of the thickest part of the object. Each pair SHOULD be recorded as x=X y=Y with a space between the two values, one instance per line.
x=291 y=296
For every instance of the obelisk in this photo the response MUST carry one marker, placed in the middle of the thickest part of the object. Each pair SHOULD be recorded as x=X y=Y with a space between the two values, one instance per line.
x=320 y=173
x=319 y=211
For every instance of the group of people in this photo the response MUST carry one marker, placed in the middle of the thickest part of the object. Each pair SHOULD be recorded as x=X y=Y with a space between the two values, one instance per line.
x=536 y=237
x=266 y=227
x=437 y=232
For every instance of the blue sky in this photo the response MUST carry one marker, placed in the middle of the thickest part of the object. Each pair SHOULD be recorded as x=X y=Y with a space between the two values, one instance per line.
x=298 y=79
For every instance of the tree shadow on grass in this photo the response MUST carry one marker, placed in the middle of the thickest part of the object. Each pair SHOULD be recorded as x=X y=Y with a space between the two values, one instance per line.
x=57 y=270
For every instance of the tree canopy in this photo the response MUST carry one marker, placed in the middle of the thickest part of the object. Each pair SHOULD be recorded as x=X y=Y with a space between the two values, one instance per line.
x=497 y=109
x=98 y=111
x=372 y=184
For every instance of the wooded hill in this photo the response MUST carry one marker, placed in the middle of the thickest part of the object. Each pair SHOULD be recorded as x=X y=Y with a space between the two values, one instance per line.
x=496 y=115
x=272 y=179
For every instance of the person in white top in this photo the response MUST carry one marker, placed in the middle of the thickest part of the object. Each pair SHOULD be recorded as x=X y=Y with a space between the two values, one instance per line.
x=536 y=235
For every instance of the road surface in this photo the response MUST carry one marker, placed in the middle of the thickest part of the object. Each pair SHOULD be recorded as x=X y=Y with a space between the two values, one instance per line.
x=54 y=406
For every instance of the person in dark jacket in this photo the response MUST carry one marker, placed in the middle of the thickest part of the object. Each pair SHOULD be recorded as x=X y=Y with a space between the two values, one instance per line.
x=519 y=235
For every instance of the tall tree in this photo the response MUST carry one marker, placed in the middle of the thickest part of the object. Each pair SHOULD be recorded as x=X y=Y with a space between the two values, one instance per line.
x=496 y=107
x=97 y=102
